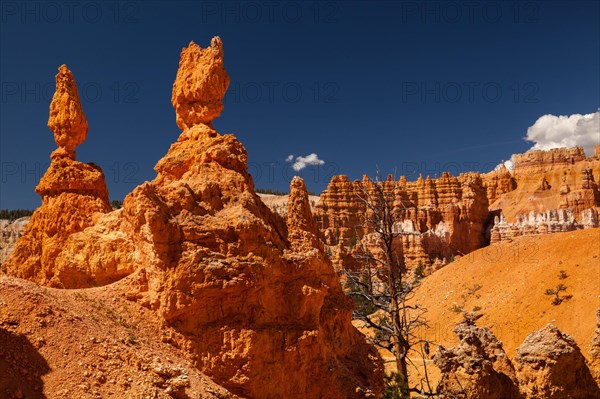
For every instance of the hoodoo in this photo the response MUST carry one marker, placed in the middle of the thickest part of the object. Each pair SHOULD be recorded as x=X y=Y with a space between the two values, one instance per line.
x=73 y=193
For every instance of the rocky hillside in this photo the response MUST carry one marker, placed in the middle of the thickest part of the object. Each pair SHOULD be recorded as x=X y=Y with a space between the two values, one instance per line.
x=251 y=299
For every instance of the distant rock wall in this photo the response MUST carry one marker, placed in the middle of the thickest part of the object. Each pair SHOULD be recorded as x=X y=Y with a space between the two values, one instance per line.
x=439 y=218
x=582 y=197
x=540 y=160
x=436 y=218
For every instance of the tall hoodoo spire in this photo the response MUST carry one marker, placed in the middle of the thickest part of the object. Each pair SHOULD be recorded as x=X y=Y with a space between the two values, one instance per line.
x=67 y=120
x=302 y=230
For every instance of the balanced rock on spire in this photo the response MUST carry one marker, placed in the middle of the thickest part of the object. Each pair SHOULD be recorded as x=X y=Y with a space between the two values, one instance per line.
x=200 y=84
x=67 y=120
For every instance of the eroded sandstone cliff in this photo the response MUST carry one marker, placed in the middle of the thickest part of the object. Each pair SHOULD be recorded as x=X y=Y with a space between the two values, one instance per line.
x=438 y=219
x=555 y=191
x=435 y=218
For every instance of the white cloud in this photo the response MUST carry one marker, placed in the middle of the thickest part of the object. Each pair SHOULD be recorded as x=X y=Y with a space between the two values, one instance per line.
x=551 y=131
x=302 y=162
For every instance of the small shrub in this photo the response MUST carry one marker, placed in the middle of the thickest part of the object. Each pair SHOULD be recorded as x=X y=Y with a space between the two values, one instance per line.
x=456 y=308
x=476 y=308
x=557 y=300
x=420 y=270
x=562 y=275
x=394 y=384
x=474 y=289
x=132 y=338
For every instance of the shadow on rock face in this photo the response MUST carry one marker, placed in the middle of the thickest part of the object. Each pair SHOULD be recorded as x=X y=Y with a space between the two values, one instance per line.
x=21 y=368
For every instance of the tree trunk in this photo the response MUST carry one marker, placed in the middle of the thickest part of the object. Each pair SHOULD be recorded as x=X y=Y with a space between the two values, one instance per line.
x=399 y=342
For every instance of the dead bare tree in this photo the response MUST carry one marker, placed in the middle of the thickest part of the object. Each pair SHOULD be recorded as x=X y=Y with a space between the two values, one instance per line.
x=381 y=286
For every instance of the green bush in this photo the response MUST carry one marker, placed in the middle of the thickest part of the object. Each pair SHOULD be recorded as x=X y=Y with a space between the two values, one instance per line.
x=394 y=383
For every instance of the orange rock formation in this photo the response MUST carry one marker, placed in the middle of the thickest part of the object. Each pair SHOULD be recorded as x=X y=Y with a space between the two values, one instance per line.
x=74 y=194
x=477 y=367
x=437 y=217
x=259 y=311
x=595 y=350
x=540 y=160
x=549 y=364
x=302 y=230
x=498 y=182
x=555 y=191
x=67 y=120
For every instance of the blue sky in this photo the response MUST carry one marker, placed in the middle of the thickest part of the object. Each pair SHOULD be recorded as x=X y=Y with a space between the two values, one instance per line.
x=407 y=86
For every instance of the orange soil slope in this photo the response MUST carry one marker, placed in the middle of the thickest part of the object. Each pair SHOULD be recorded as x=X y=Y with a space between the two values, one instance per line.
x=508 y=280
x=90 y=344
